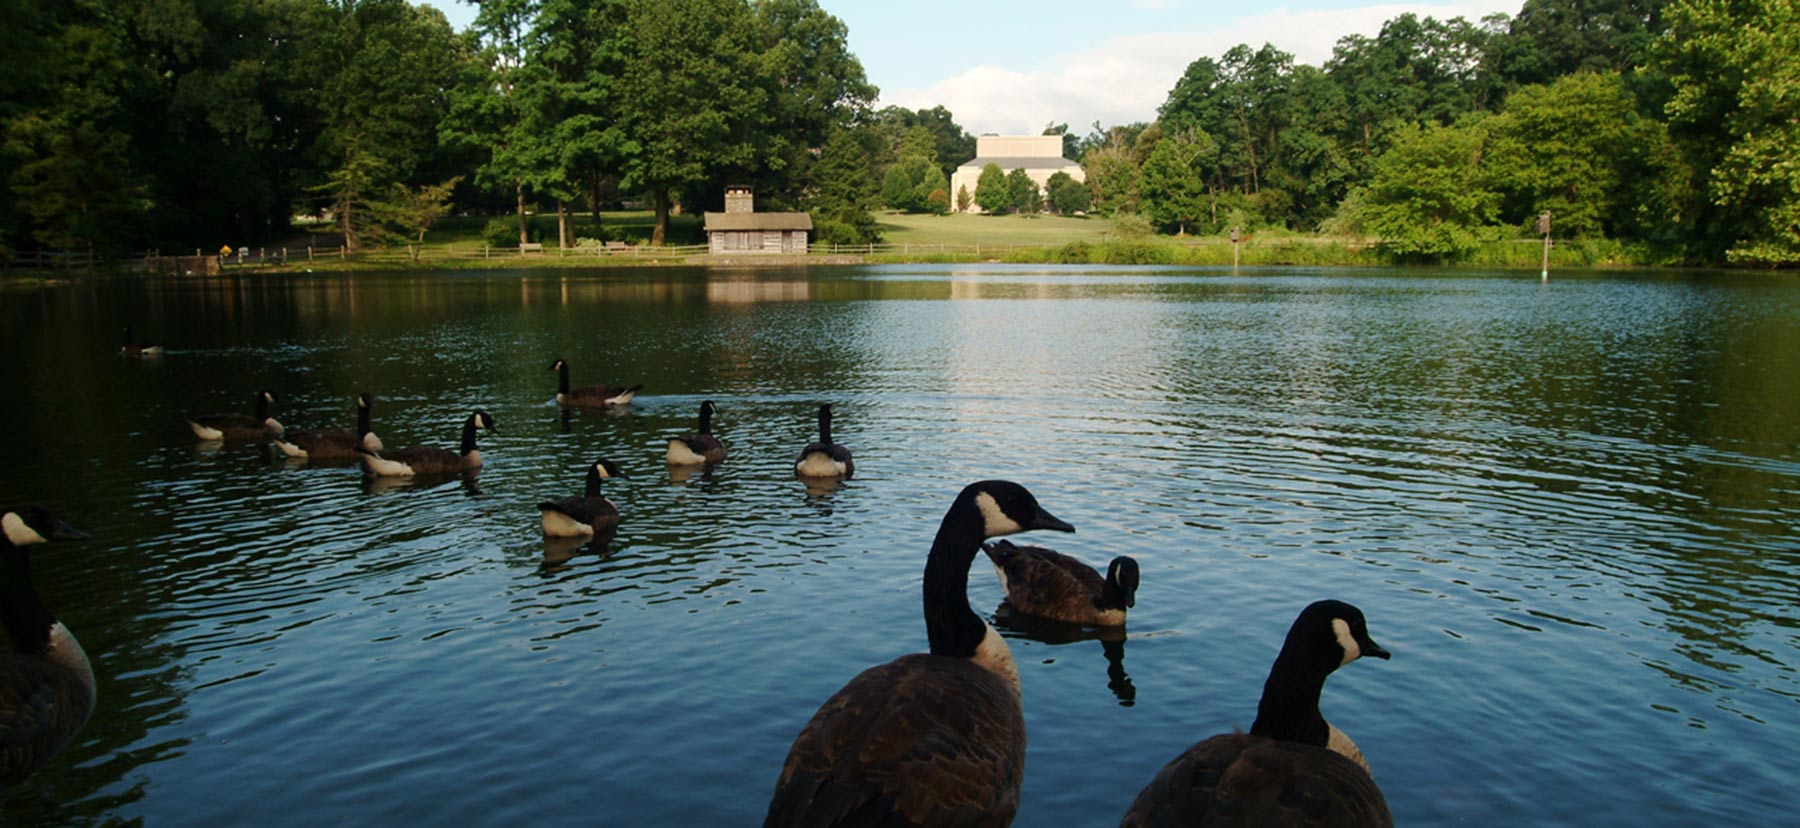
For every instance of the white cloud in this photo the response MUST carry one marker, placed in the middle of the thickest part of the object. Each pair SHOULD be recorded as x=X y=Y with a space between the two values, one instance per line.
x=1128 y=77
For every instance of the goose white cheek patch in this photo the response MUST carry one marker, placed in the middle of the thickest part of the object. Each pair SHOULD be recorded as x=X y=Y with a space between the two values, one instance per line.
x=1352 y=650
x=18 y=532
x=994 y=519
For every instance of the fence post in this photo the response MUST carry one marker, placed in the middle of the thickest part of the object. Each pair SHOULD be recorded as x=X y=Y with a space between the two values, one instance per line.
x=309 y=254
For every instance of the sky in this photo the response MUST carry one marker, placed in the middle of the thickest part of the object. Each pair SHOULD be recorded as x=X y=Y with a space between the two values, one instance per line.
x=1014 y=67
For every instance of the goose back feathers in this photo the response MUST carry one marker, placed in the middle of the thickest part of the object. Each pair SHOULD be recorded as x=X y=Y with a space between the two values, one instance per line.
x=1292 y=768
x=824 y=458
x=261 y=426
x=334 y=443
x=584 y=514
x=592 y=395
x=428 y=461
x=929 y=739
x=1049 y=584
x=46 y=682
x=700 y=447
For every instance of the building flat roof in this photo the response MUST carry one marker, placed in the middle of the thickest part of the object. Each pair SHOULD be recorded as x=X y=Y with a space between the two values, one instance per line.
x=1020 y=163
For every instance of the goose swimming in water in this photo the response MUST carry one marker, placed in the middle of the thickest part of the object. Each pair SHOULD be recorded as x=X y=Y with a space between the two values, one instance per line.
x=1292 y=768
x=1049 y=584
x=427 y=461
x=215 y=427
x=699 y=448
x=584 y=514
x=824 y=458
x=929 y=739
x=592 y=395
x=334 y=443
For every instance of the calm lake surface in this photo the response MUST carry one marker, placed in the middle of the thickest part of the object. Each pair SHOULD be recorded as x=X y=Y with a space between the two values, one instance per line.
x=1569 y=509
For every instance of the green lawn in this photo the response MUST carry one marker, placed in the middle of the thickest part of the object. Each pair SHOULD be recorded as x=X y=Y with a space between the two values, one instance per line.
x=962 y=228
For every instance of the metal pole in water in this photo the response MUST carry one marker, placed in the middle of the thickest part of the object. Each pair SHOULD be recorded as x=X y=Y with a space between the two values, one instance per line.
x=1543 y=226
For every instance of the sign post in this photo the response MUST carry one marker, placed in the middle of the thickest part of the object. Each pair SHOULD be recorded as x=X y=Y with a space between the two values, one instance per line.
x=1543 y=228
x=1234 y=248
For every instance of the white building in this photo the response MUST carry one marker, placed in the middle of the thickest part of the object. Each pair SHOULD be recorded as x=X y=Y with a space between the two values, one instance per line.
x=1040 y=156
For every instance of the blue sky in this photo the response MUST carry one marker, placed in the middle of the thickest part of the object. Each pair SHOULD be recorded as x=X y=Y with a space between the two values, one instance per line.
x=1062 y=61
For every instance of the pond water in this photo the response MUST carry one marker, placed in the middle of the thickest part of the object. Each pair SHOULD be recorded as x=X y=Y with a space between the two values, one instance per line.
x=1569 y=510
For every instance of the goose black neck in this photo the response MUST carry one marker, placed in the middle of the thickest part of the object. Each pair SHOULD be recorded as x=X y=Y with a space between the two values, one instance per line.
x=25 y=617
x=128 y=334
x=1289 y=710
x=953 y=628
x=468 y=438
x=593 y=482
x=825 y=425
x=706 y=419
x=362 y=421
x=262 y=406
x=562 y=378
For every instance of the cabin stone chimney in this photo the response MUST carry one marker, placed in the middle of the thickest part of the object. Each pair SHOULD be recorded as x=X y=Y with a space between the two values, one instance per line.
x=739 y=199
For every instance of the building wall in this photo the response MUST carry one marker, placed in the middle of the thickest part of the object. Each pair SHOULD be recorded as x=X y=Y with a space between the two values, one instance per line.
x=1018 y=146
x=969 y=176
x=756 y=241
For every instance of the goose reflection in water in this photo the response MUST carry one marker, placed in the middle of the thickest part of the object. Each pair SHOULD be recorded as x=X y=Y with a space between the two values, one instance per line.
x=1014 y=624
x=559 y=551
x=470 y=481
x=706 y=478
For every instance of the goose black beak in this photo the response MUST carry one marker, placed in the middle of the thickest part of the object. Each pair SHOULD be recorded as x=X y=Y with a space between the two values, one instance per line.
x=1371 y=648
x=63 y=531
x=1045 y=520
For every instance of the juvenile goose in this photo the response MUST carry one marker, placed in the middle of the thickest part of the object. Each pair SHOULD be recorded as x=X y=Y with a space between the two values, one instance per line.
x=426 y=461
x=928 y=739
x=334 y=443
x=46 y=683
x=584 y=514
x=824 y=458
x=699 y=448
x=239 y=426
x=1292 y=768
x=592 y=395
x=139 y=349
x=1049 y=584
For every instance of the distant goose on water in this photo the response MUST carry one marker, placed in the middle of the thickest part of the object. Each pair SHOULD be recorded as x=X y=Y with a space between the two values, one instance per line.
x=584 y=514
x=215 y=427
x=1049 y=584
x=334 y=443
x=700 y=447
x=428 y=461
x=139 y=349
x=1292 y=768
x=592 y=395
x=46 y=683
x=824 y=458
x=929 y=739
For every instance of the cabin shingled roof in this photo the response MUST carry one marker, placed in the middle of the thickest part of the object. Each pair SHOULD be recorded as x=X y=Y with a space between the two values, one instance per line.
x=757 y=221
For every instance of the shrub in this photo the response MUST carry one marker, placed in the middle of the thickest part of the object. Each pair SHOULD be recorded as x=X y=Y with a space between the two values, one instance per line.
x=501 y=232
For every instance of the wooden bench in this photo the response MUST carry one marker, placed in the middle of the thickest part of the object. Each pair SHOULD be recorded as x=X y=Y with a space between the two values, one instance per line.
x=530 y=247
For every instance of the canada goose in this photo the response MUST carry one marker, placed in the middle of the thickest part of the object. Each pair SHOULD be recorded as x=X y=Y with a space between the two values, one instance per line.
x=824 y=458
x=584 y=514
x=139 y=349
x=239 y=426
x=593 y=395
x=46 y=683
x=415 y=461
x=334 y=443
x=1049 y=584
x=1292 y=768
x=932 y=738
x=699 y=448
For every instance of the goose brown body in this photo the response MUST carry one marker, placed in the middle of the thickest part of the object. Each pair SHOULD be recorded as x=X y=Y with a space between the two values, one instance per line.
x=46 y=682
x=591 y=396
x=134 y=348
x=261 y=426
x=1292 y=768
x=1049 y=584
x=699 y=447
x=431 y=461
x=929 y=739
x=335 y=443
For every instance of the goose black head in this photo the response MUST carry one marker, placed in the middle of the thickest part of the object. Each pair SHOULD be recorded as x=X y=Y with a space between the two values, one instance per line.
x=607 y=469
x=1122 y=575
x=1332 y=634
x=558 y=365
x=482 y=419
x=1007 y=507
x=365 y=400
x=268 y=396
x=30 y=525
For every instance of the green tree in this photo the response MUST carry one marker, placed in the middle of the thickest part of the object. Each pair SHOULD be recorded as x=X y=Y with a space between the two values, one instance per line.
x=1429 y=199
x=408 y=212
x=992 y=193
x=1111 y=169
x=1022 y=193
x=1172 y=191
x=813 y=84
x=1554 y=38
x=963 y=199
x=1065 y=195
x=1735 y=112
